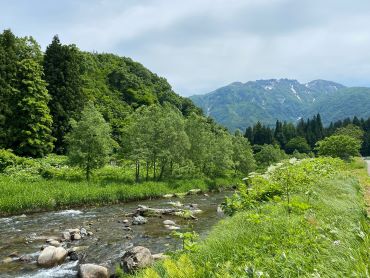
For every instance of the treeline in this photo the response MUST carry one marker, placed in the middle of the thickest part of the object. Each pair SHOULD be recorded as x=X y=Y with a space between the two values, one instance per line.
x=304 y=135
x=98 y=108
x=40 y=93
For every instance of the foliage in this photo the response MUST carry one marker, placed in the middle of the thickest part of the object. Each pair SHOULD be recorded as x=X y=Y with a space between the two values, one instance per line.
x=7 y=158
x=243 y=159
x=188 y=239
x=89 y=142
x=341 y=146
x=269 y=154
x=297 y=144
x=326 y=236
x=352 y=131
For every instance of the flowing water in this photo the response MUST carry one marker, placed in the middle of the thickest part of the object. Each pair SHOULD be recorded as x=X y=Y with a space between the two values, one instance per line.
x=25 y=235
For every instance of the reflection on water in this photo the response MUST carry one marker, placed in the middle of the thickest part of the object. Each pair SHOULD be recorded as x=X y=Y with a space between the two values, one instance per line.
x=22 y=235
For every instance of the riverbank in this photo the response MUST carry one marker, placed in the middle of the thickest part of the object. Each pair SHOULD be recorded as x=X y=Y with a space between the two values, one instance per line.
x=322 y=232
x=26 y=196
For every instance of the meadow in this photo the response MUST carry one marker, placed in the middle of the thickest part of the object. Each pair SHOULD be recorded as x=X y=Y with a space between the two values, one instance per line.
x=323 y=230
x=46 y=184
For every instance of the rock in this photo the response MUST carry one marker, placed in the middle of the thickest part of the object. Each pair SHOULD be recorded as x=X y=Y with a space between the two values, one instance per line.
x=159 y=256
x=195 y=206
x=194 y=191
x=169 y=222
x=139 y=220
x=127 y=228
x=175 y=204
x=92 y=271
x=196 y=211
x=172 y=227
x=66 y=236
x=90 y=233
x=125 y=221
x=83 y=232
x=73 y=231
x=7 y=260
x=128 y=237
x=51 y=256
x=76 y=237
x=181 y=195
x=136 y=258
x=205 y=195
x=73 y=255
x=167 y=196
x=53 y=242
x=220 y=211
x=25 y=258
x=14 y=255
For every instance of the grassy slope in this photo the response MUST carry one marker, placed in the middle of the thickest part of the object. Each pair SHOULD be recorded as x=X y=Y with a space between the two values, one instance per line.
x=330 y=239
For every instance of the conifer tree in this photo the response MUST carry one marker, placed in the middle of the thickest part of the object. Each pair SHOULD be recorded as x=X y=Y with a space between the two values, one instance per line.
x=63 y=73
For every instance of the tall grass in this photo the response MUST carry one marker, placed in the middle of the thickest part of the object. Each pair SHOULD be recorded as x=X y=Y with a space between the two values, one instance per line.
x=20 y=196
x=325 y=237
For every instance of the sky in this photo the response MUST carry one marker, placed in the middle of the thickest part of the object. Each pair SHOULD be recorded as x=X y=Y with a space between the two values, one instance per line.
x=201 y=45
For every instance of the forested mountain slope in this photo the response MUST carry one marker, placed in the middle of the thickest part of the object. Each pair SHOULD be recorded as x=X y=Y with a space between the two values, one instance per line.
x=239 y=105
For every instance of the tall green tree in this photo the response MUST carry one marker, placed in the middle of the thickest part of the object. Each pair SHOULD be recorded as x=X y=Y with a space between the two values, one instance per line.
x=31 y=128
x=63 y=68
x=89 y=141
x=342 y=146
x=8 y=73
x=243 y=160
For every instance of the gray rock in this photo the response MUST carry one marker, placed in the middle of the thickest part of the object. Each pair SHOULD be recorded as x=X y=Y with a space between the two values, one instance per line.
x=52 y=256
x=136 y=258
x=169 y=222
x=172 y=227
x=83 y=232
x=139 y=220
x=92 y=271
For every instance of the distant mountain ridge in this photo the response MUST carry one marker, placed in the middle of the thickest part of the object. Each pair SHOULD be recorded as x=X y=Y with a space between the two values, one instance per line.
x=240 y=105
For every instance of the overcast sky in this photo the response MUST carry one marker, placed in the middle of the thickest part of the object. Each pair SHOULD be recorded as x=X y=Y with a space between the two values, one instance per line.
x=200 y=45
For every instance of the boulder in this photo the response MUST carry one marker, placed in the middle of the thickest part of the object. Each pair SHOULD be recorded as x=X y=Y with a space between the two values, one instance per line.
x=167 y=196
x=172 y=227
x=52 y=256
x=26 y=258
x=73 y=231
x=92 y=271
x=169 y=222
x=139 y=220
x=136 y=258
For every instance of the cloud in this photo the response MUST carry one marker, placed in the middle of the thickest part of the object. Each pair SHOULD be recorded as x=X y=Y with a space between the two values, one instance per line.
x=199 y=45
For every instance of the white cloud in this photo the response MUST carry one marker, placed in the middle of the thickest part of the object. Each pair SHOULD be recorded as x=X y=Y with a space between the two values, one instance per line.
x=199 y=45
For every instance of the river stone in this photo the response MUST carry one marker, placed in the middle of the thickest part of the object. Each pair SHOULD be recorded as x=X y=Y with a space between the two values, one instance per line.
x=172 y=227
x=66 y=236
x=167 y=196
x=83 y=232
x=139 y=220
x=136 y=258
x=169 y=222
x=53 y=242
x=92 y=271
x=76 y=236
x=194 y=191
x=51 y=256
x=73 y=231
x=25 y=258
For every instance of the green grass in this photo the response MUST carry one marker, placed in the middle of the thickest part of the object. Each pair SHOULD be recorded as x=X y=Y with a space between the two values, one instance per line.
x=328 y=236
x=21 y=196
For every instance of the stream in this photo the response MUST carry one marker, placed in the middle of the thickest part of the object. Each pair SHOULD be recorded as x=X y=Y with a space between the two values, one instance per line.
x=26 y=234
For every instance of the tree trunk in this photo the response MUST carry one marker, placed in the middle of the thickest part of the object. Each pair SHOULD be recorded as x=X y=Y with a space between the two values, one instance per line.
x=137 y=171
x=154 y=168
x=162 y=171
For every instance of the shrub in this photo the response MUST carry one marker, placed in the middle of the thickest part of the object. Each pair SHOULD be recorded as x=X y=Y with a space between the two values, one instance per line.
x=342 y=146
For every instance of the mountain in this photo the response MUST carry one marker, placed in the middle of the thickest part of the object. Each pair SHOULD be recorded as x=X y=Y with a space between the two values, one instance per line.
x=240 y=105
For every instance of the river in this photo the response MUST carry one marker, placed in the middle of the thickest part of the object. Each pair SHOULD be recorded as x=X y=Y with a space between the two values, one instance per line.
x=26 y=234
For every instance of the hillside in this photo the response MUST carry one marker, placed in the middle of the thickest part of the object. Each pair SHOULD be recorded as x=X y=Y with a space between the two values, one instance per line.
x=239 y=105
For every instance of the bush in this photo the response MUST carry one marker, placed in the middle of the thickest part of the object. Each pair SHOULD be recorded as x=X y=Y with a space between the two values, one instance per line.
x=342 y=146
x=269 y=154
x=7 y=158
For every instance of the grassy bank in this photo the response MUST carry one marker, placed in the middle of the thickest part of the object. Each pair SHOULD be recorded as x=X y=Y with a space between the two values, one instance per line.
x=321 y=232
x=19 y=196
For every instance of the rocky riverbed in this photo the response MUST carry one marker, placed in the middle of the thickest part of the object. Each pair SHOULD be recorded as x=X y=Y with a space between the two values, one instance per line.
x=64 y=240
